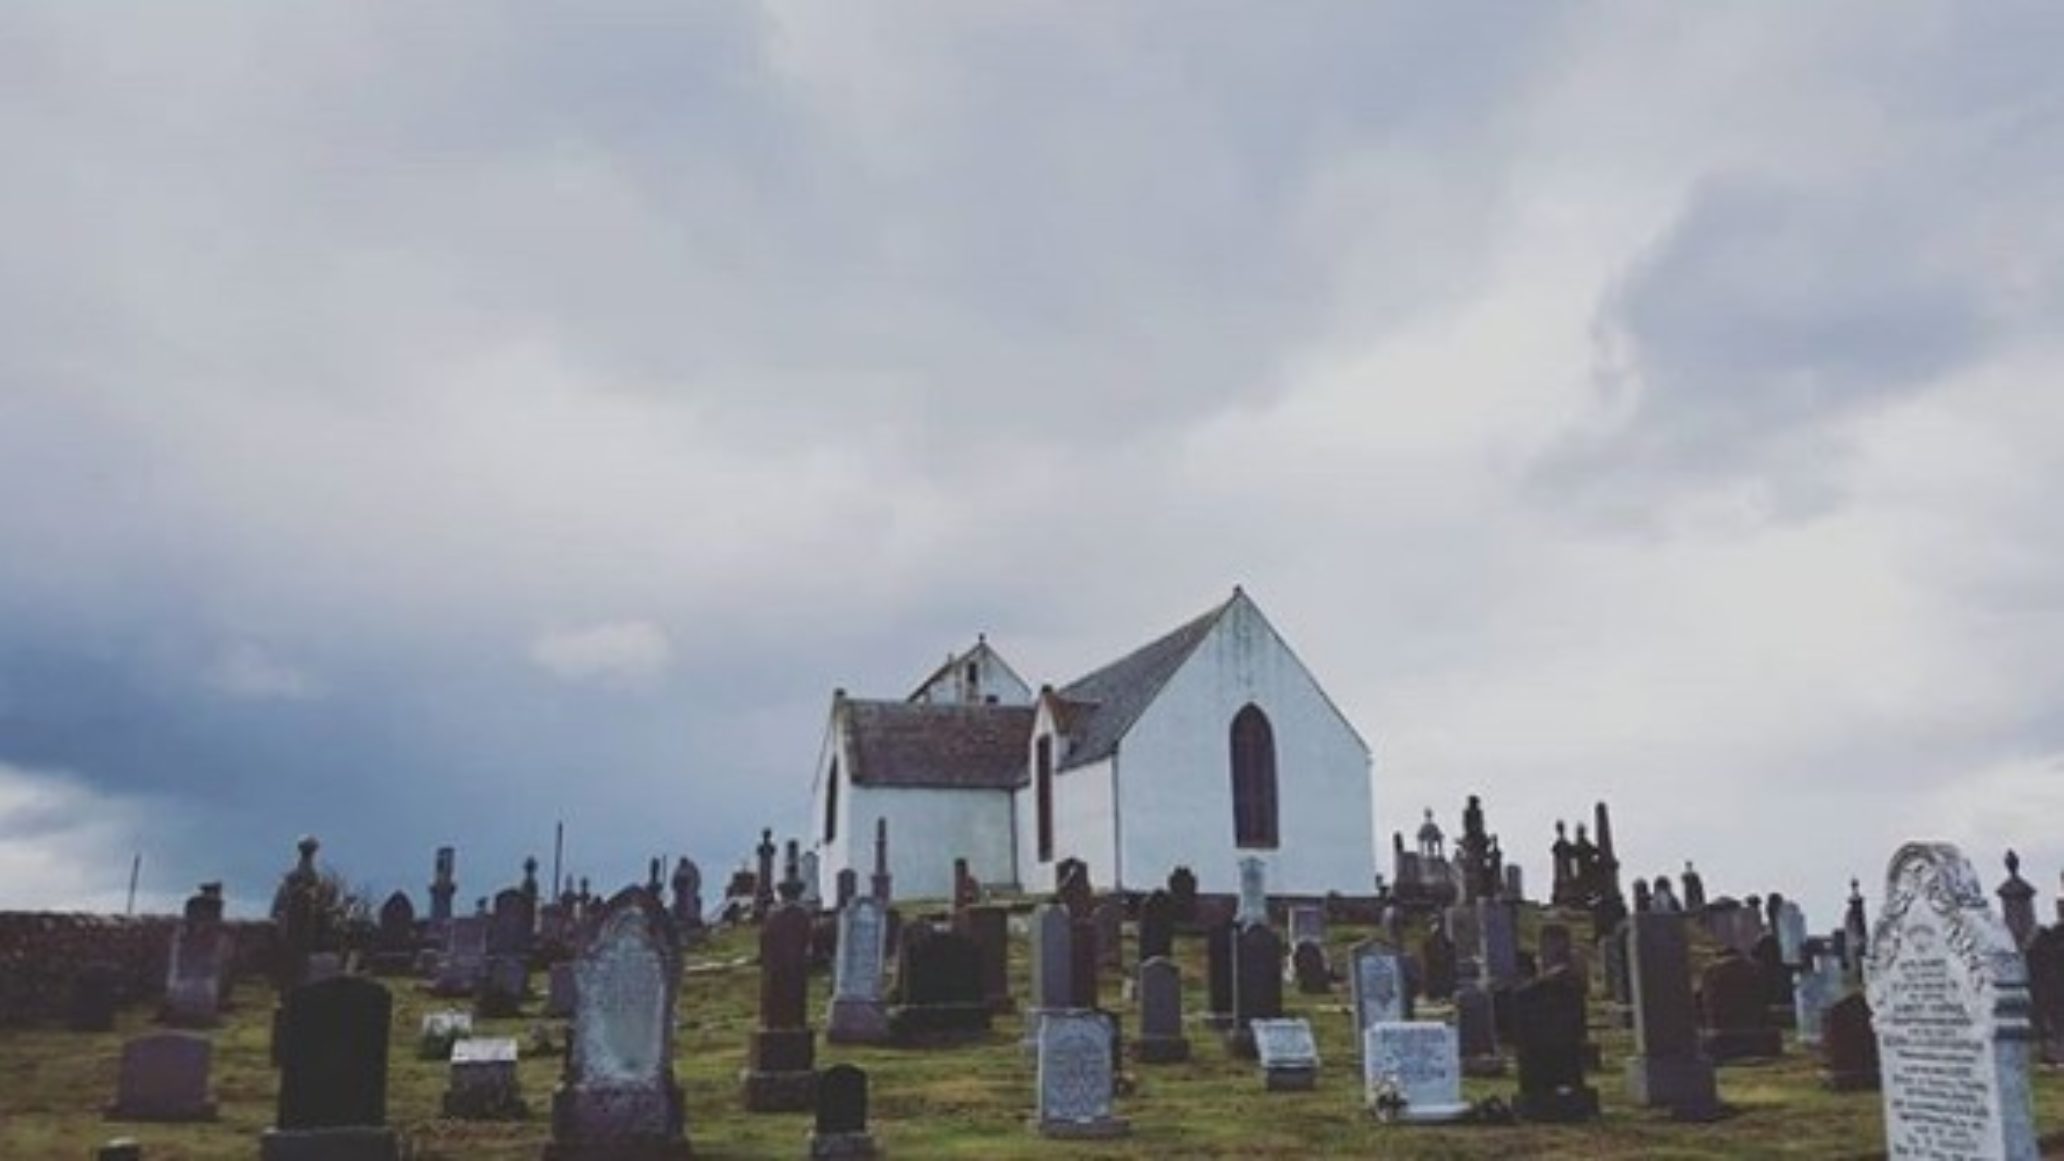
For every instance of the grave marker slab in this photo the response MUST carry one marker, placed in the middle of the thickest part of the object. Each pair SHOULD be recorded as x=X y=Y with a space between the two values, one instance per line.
x=164 y=1077
x=857 y=1015
x=781 y=1070
x=1668 y=1069
x=1378 y=984
x=1288 y=1053
x=840 y=1132
x=1412 y=1072
x=483 y=1084
x=1161 y=1039
x=1075 y=1073
x=1849 y=1046
x=332 y=1048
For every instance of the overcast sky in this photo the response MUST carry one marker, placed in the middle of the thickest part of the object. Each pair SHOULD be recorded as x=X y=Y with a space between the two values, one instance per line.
x=418 y=425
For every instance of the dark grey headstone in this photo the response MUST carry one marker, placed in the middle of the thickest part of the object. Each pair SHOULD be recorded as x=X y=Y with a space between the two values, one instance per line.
x=333 y=1055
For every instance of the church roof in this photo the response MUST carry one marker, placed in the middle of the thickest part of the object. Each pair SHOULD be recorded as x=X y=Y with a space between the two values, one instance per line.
x=1115 y=696
x=899 y=743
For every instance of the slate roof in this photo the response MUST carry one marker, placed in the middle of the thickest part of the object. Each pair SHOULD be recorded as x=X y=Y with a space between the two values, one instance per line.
x=899 y=743
x=1115 y=696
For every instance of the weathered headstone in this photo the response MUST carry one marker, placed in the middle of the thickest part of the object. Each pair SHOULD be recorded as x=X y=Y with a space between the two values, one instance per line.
x=1109 y=921
x=840 y=1132
x=194 y=975
x=618 y=1097
x=1161 y=1039
x=482 y=1084
x=781 y=1067
x=1378 y=983
x=687 y=909
x=1052 y=963
x=1253 y=892
x=394 y=941
x=1500 y=936
x=465 y=957
x=1288 y=1053
x=1668 y=1070
x=1220 y=945
x=332 y=1051
x=857 y=1014
x=1791 y=934
x=1075 y=1075
x=1412 y=1072
x=1437 y=965
x=813 y=890
x=562 y=991
x=1307 y=925
x=1949 y=997
x=1071 y=887
x=442 y=887
x=939 y=981
x=848 y=881
x=1476 y=1024
x=987 y=926
x=2046 y=991
x=164 y=1077
x=1182 y=894
x=1549 y=1040
x=2017 y=903
x=1814 y=990
x=1309 y=968
x=1849 y=1046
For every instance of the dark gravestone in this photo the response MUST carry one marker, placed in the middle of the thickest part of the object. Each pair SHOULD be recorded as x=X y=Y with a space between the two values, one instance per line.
x=1071 y=886
x=988 y=928
x=1182 y=895
x=1667 y=1069
x=164 y=1077
x=1052 y=964
x=91 y=1005
x=1219 y=948
x=841 y=1127
x=939 y=986
x=1849 y=1046
x=1257 y=984
x=1156 y=926
x=1476 y=1027
x=1083 y=959
x=333 y=1073
x=1308 y=964
x=618 y=1098
x=505 y=976
x=848 y=886
x=1549 y=1040
x=2046 y=991
x=1161 y=1039
x=1109 y=919
x=1437 y=965
x=781 y=1070
x=1737 y=1018
x=1768 y=954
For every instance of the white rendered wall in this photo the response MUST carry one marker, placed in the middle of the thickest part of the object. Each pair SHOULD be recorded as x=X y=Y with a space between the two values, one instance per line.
x=928 y=829
x=1083 y=827
x=1174 y=773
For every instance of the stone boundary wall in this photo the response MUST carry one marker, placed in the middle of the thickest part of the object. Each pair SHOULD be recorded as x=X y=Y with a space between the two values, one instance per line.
x=41 y=952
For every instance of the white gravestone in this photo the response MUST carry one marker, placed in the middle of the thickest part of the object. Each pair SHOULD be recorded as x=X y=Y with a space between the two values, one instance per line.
x=1253 y=892
x=1412 y=1072
x=1289 y=1055
x=1949 y=998
x=1307 y=925
x=1379 y=986
x=1813 y=992
x=1791 y=934
x=857 y=1015
x=1075 y=1073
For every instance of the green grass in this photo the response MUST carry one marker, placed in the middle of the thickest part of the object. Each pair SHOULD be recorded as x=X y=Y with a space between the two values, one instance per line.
x=966 y=1102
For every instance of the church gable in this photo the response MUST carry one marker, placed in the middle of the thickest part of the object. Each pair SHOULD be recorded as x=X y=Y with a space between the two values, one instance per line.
x=976 y=676
x=1103 y=705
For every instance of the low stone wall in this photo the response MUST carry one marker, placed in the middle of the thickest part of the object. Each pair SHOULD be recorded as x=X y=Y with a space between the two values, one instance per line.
x=41 y=952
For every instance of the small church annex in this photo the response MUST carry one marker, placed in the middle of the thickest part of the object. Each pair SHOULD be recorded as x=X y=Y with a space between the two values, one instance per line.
x=1206 y=745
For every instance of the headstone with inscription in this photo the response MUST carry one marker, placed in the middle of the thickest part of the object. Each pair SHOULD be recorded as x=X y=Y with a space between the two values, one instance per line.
x=857 y=1014
x=619 y=1098
x=1948 y=994
x=1412 y=1072
x=1307 y=925
x=1288 y=1053
x=1378 y=982
x=1253 y=892
x=1075 y=1074
x=465 y=956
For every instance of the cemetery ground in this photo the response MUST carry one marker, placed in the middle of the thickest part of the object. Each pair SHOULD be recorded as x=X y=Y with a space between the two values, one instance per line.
x=971 y=1101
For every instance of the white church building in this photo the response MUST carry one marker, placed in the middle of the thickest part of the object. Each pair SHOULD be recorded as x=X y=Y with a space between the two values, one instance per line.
x=1209 y=744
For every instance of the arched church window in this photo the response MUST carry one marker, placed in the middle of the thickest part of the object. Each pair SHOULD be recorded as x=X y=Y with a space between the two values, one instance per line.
x=831 y=804
x=1043 y=793
x=1254 y=778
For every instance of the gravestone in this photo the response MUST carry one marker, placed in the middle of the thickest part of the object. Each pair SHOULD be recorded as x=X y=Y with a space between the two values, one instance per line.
x=1668 y=1069
x=1732 y=1000
x=1257 y=985
x=1949 y=997
x=763 y=876
x=781 y=1067
x=1288 y=1054
x=939 y=985
x=442 y=887
x=1476 y=1024
x=988 y=928
x=1437 y=965
x=1253 y=892
x=332 y=1048
x=1307 y=925
x=1549 y=1040
x=1220 y=943
x=840 y=1132
x=1109 y=922
x=164 y=1077
x=1791 y=934
x=618 y=1098
x=1378 y=984
x=1161 y=1039
x=1412 y=1072
x=1849 y=1046
x=1082 y=964
x=505 y=975
x=394 y=941
x=1768 y=955
x=848 y=881
x=1053 y=960
x=1467 y=937
x=465 y=957
x=687 y=910
x=1309 y=968
x=1500 y=940
x=1071 y=887
x=441 y=1030
x=1813 y=991
x=482 y=1084
x=2017 y=903
x=966 y=891
x=1156 y=926
x=813 y=891
x=562 y=991
x=1182 y=895
x=194 y=975
x=1075 y=1076
x=857 y=1015
x=2046 y=991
